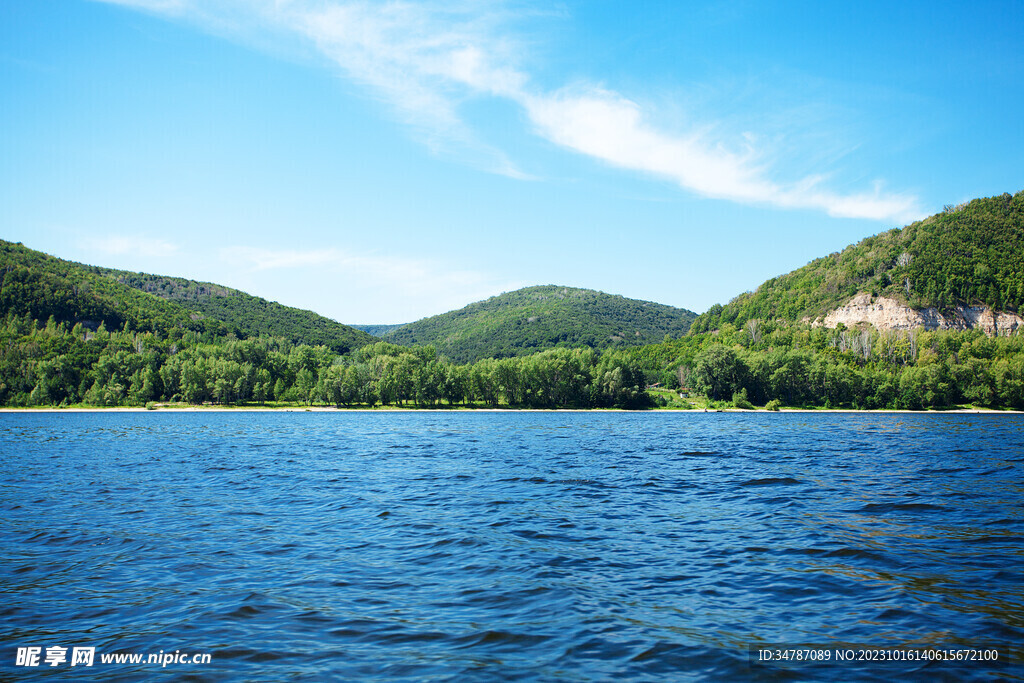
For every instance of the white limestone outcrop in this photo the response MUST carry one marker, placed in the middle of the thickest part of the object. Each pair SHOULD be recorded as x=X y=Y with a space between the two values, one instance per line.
x=888 y=314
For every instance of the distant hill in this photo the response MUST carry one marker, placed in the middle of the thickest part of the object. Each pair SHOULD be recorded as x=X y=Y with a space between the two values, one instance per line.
x=39 y=285
x=378 y=330
x=968 y=255
x=535 y=318
x=252 y=315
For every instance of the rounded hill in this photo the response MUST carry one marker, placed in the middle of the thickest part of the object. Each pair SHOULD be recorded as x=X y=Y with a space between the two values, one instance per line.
x=967 y=255
x=536 y=318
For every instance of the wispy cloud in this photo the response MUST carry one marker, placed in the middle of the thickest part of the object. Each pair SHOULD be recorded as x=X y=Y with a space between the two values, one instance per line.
x=256 y=258
x=428 y=59
x=424 y=60
x=412 y=284
x=609 y=127
x=407 y=271
x=130 y=245
x=169 y=6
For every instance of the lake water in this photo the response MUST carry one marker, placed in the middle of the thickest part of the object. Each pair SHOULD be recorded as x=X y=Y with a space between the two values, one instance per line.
x=501 y=546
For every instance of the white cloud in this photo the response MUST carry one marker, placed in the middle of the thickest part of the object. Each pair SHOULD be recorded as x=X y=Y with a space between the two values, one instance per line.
x=165 y=6
x=273 y=259
x=408 y=271
x=427 y=59
x=609 y=127
x=423 y=60
x=129 y=245
x=409 y=285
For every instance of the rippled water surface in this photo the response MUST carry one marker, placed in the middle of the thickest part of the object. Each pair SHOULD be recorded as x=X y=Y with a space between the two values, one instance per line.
x=497 y=546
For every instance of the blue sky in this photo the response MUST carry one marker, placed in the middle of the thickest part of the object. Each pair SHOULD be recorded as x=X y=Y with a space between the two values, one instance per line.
x=381 y=162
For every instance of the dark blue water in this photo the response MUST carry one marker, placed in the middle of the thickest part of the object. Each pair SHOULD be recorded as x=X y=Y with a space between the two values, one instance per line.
x=499 y=546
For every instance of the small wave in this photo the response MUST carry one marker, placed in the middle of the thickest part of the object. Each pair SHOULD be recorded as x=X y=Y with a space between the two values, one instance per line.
x=251 y=654
x=530 y=480
x=853 y=554
x=779 y=501
x=1016 y=540
x=771 y=481
x=314 y=616
x=463 y=541
x=499 y=639
x=994 y=470
x=247 y=612
x=278 y=550
x=875 y=508
x=674 y=578
x=1002 y=522
x=541 y=536
x=581 y=482
x=658 y=651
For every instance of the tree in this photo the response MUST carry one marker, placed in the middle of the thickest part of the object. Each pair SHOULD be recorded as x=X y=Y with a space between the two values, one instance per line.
x=456 y=381
x=305 y=383
x=483 y=381
x=620 y=383
x=261 y=388
x=718 y=372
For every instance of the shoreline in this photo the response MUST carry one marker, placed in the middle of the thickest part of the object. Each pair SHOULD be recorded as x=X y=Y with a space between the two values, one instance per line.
x=332 y=409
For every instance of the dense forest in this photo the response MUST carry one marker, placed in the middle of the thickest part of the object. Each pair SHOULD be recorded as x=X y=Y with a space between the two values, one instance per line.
x=760 y=364
x=784 y=364
x=535 y=318
x=967 y=255
x=53 y=365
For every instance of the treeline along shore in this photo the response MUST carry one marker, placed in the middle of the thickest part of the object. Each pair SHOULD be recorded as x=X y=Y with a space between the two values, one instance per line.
x=51 y=365
x=772 y=365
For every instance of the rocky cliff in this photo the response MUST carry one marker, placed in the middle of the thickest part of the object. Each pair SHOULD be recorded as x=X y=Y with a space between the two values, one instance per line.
x=888 y=314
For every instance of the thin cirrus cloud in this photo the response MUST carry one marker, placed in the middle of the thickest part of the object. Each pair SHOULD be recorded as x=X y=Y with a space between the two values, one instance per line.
x=418 y=283
x=256 y=258
x=426 y=59
x=391 y=269
x=130 y=245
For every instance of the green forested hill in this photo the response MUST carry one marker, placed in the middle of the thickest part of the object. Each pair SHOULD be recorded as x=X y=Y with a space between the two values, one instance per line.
x=252 y=315
x=39 y=285
x=536 y=318
x=967 y=255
